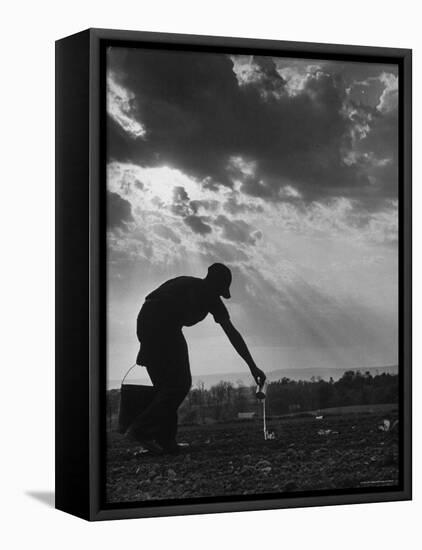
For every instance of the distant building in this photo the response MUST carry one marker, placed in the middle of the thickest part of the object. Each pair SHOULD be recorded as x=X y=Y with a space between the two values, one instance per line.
x=246 y=415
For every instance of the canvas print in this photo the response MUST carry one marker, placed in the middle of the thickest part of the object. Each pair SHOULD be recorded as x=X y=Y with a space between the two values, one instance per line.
x=252 y=276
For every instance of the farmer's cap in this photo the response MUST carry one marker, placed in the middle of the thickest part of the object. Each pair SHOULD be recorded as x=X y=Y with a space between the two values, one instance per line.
x=221 y=277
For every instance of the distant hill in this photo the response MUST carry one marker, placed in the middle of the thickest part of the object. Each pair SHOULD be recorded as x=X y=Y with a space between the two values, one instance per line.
x=245 y=378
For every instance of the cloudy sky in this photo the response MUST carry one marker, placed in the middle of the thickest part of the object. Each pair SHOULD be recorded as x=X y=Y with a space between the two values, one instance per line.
x=285 y=170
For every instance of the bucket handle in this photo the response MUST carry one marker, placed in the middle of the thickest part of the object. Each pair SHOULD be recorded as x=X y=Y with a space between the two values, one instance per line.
x=128 y=371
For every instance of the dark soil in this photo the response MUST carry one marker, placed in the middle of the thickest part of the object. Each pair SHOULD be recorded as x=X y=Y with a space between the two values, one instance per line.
x=233 y=459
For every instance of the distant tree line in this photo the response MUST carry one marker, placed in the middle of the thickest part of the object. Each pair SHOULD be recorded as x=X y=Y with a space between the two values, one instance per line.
x=224 y=401
x=353 y=388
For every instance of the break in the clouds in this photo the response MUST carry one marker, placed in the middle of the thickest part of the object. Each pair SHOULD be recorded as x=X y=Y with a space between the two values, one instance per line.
x=121 y=108
x=286 y=170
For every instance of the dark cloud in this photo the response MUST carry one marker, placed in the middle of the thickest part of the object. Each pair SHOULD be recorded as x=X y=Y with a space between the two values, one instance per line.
x=166 y=233
x=182 y=205
x=118 y=211
x=366 y=92
x=382 y=144
x=197 y=224
x=197 y=117
x=237 y=230
x=270 y=81
x=233 y=230
x=181 y=202
x=209 y=205
x=233 y=206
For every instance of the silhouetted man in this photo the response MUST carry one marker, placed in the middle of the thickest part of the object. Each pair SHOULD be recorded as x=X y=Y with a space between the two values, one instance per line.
x=180 y=302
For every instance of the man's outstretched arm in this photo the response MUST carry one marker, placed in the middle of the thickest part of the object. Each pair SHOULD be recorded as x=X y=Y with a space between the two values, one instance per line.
x=240 y=346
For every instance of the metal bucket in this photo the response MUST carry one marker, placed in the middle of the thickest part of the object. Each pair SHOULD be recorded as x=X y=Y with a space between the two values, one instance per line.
x=134 y=399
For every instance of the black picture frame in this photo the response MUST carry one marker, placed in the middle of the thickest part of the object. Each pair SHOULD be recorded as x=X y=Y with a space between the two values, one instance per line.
x=80 y=271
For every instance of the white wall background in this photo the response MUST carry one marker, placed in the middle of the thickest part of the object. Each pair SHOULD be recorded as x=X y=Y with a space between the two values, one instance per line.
x=27 y=272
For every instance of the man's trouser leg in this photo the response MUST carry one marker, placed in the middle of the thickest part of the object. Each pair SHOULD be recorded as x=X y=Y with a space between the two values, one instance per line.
x=172 y=381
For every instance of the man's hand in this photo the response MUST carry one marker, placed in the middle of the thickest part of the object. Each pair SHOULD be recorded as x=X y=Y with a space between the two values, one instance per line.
x=258 y=375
